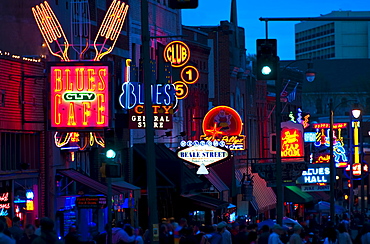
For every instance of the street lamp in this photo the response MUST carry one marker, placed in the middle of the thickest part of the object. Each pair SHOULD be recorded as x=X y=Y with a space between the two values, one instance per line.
x=310 y=76
x=332 y=163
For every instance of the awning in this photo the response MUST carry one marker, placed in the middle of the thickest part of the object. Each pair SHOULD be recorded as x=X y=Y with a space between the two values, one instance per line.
x=123 y=186
x=87 y=181
x=216 y=181
x=207 y=202
x=295 y=195
x=264 y=198
x=319 y=196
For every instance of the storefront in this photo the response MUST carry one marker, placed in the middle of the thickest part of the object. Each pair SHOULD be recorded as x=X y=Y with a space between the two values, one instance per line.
x=82 y=202
x=19 y=197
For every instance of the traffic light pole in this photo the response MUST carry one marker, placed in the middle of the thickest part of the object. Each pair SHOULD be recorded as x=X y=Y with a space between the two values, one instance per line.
x=279 y=175
x=149 y=131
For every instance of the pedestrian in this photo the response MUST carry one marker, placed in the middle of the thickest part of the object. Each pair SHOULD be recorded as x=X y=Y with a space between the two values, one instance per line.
x=119 y=234
x=274 y=237
x=365 y=237
x=16 y=230
x=72 y=236
x=296 y=238
x=102 y=237
x=48 y=235
x=139 y=235
x=187 y=236
x=343 y=236
x=29 y=235
x=252 y=237
x=182 y=223
x=242 y=236
x=226 y=235
x=5 y=239
x=208 y=234
x=264 y=236
x=331 y=235
x=164 y=237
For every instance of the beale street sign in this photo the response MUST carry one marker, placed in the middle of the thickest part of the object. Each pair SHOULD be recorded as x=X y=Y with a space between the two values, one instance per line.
x=206 y=155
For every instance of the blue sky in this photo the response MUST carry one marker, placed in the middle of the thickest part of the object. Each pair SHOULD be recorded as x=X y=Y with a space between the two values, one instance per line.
x=211 y=12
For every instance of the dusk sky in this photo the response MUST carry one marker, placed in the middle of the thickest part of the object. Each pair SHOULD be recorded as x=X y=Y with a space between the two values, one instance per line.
x=211 y=12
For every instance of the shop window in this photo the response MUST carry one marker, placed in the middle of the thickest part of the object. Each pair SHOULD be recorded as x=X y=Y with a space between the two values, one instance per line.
x=197 y=216
x=19 y=151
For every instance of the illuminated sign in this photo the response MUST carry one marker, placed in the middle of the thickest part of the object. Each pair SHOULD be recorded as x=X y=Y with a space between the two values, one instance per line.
x=177 y=53
x=327 y=125
x=164 y=100
x=224 y=124
x=4 y=204
x=314 y=188
x=292 y=144
x=323 y=139
x=315 y=174
x=309 y=136
x=356 y=169
x=105 y=39
x=182 y=90
x=79 y=95
x=189 y=74
x=203 y=155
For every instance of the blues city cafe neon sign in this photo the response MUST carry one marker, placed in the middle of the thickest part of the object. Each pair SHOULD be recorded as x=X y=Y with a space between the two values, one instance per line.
x=203 y=155
x=79 y=95
x=316 y=173
x=224 y=125
x=164 y=100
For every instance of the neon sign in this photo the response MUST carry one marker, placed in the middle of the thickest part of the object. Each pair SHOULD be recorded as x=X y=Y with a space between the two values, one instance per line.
x=163 y=99
x=108 y=33
x=223 y=123
x=4 y=204
x=292 y=143
x=356 y=169
x=323 y=139
x=79 y=95
x=315 y=174
x=177 y=53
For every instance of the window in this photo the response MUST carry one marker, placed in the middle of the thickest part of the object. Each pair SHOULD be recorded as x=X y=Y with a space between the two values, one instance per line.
x=19 y=151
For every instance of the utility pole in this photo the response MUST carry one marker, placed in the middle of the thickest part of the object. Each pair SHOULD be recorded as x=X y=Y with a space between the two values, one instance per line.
x=149 y=131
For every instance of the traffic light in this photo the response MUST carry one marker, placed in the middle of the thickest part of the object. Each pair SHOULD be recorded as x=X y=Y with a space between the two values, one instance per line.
x=110 y=168
x=267 y=59
x=182 y=4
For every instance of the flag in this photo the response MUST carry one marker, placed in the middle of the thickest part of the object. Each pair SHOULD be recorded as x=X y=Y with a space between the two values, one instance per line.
x=291 y=96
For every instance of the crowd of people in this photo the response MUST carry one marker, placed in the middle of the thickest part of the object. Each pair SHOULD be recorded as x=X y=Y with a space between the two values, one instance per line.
x=181 y=232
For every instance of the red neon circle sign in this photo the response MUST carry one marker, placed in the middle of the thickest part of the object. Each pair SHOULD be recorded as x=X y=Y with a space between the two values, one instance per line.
x=222 y=120
x=177 y=53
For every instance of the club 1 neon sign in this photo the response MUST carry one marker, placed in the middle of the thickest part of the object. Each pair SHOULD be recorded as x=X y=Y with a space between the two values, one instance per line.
x=79 y=95
x=177 y=53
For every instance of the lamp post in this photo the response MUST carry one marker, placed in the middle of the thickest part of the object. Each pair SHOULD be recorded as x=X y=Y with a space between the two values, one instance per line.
x=358 y=152
x=332 y=163
x=310 y=76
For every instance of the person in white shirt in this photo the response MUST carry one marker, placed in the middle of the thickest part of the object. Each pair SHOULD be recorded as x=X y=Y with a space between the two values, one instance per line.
x=274 y=237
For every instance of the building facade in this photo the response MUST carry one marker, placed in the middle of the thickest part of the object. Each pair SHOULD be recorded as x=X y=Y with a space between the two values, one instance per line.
x=333 y=39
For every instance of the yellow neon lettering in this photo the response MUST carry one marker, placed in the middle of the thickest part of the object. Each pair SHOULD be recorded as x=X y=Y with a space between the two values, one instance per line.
x=101 y=118
x=57 y=115
x=80 y=79
x=101 y=84
x=91 y=80
x=190 y=74
x=58 y=80
x=139 y=109
x=71 y=114
x=167 y=109
x=86 y=111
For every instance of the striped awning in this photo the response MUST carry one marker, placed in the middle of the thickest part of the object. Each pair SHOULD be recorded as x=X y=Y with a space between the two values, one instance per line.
x=264 y=198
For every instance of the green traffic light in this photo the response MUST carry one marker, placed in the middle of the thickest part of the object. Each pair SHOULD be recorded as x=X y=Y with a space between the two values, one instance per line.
x=110 y=153
x=266 y=70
